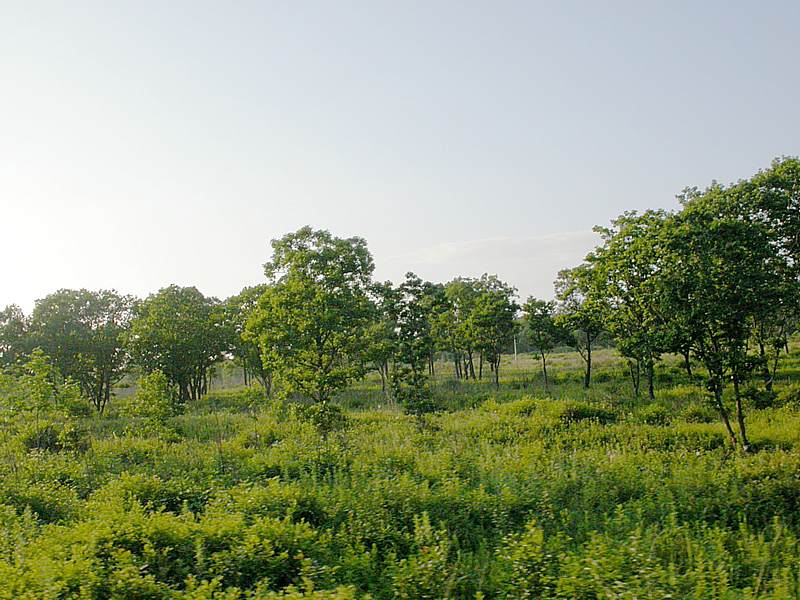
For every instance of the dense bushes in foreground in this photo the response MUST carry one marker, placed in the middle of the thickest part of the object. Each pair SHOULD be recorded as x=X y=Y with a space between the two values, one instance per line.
x=523 y=499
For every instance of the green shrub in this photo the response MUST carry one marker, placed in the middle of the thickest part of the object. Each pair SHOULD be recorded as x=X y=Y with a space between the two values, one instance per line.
x=654 y=414
x=574 y=412
x=426 y=573
x=324 y=416
x=156 y=399
x=789 y=395
x=54 y=437
x=698 y=413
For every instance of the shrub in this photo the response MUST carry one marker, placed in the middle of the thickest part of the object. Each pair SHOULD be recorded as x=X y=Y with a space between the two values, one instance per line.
x=155 y=400
x=426 y=573
x=789 y=395
x=573 y=412
x=54 y=437
x=324 y=416
x=698 y=413
x=654 y=414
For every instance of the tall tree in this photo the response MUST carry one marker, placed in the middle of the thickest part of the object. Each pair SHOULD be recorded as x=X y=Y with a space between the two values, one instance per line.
x=246 y=352
x=13 y=334
x=182 y=333
x=411 y=313
x=83 y=334
x=461 y=294
x=312 y=320
x=720 y=274
x=626 y=267
x=493 y=320
x=381 y=335
x=580 y=310
x=543 y=333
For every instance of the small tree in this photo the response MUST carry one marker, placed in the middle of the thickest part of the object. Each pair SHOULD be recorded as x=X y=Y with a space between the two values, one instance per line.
x=410 y=313
x=83 y=333
x=181 y=333
x=493 y=321
x=626 y=267
x=155 y=400
x=543 y=333
x=13 y=334
x=580 y=311
x=720 y=274
x=311 y=322
x=246 y=352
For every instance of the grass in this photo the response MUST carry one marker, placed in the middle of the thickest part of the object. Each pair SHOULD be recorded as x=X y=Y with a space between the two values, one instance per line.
x=504 y=494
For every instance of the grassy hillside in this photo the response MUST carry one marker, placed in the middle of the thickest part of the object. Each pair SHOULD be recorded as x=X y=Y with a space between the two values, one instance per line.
x=505 y=494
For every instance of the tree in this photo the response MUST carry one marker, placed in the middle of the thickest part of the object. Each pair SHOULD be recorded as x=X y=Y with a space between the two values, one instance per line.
x=493 y=321
x=411 y=313
x=13 y=333
x=580 y=311
x=312 y=320
x=772 y=199
x=181 y=333
x=461 y=294
x=720 y=274
x=626 y=266
x=83 y=334
x=381 y=334
x=246 y=352
x=543 y=331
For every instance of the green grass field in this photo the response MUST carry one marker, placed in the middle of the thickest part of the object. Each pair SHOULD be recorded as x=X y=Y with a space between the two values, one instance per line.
x=503 y=494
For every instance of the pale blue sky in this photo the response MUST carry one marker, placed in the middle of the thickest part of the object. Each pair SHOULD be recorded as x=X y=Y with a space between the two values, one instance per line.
x=148 y=143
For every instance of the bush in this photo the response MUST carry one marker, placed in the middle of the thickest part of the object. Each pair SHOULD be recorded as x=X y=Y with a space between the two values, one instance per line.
x=698 y=413
x=324 y=416
x=789 y=396
x=155 y=400
x=54 y=437
x=759 y=399
x=654 y=414
x=573 y=412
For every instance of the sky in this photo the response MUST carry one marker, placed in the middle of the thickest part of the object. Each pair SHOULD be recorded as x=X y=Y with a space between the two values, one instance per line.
x=146 y=143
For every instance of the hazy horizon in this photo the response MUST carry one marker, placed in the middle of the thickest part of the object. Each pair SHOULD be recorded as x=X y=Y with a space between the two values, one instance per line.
x=145 y=144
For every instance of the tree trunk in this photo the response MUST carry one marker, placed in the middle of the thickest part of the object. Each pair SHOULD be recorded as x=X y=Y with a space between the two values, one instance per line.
x=588 y=378
x=650 y=377
x=635 y=376
x=544 y=373
x=765 y=372
x=480 y=366
x=740 y=415
x=497 y=374
x=724 y=415
x=688 y=364
x=383 y=379
x=471 y=366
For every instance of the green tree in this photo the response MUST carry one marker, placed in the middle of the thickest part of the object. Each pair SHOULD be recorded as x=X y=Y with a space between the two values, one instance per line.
x=626 y=267
x=580 y=311
x=381 y=334
x=83 y=334
x=493 y=320
x=461 y=294
x=772 y=199
x=245 y=350
x=181 y=333
x=720 y=274
x=312 y=320
x=543 y=332
x=13 y=334
x=411 y=312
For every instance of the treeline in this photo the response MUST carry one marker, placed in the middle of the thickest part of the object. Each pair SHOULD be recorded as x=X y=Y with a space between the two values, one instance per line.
x=715 y=282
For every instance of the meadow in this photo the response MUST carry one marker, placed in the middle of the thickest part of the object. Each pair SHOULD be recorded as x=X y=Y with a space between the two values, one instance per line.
x=506 y=493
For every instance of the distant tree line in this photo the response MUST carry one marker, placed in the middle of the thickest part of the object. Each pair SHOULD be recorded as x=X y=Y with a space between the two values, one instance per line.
x=716 y=282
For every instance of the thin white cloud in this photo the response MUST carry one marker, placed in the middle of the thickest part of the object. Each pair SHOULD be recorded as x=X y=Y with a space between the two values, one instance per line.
x=528 y=263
